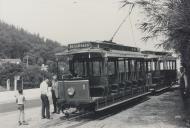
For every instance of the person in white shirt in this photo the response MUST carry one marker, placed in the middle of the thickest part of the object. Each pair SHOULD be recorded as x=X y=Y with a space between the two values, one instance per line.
x=20 y=100
x=44 y=99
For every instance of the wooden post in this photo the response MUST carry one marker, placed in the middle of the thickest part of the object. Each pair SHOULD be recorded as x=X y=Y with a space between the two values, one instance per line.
x=8 y=84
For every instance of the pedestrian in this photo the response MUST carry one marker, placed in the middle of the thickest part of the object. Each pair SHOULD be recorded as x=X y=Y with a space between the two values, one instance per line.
x=44 y=99
x=181 y=78
x=20 y=100
x=54 y=91
x=183 y=81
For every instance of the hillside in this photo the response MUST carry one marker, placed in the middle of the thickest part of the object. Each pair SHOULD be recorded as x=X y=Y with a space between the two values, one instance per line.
x=18 y=43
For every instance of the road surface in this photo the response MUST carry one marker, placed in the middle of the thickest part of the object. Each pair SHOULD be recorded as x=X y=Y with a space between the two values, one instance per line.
x=167 y=110
x=8 y=107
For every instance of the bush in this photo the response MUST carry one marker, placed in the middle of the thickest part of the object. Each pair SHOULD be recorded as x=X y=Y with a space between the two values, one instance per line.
x=32 y=76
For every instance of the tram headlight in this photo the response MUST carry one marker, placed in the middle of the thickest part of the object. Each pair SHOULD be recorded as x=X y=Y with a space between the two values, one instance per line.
x=71 y=91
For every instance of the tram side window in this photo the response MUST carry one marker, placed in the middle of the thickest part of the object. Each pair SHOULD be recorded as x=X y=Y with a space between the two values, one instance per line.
x=171 y=65
x=168 y=65
x=174 y=65
x=127 y=66
x=138 y=66
x=132 y=66
x=149 y=66
x=161 y=66
x=169 y=68
x=145 y=66
x=141 y=66
x=111 y=68
x=157 y=66
x=121 y=66
x=153 y=66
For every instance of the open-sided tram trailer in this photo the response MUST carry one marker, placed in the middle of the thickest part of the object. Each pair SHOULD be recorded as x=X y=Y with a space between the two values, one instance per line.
x=105 y=74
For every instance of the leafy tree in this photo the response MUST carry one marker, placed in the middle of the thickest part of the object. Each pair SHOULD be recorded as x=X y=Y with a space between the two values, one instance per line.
x=8 y=71
x=17 y=43
x=169 y=19
x=33 y=75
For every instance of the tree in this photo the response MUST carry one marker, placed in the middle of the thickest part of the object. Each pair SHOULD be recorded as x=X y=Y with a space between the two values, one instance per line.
x=169 y=19
x=33 y=75
x=33 y=51
x=18 y=43
x=8 y=71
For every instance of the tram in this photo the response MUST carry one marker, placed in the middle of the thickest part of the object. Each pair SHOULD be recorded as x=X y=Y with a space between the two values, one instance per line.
x=161 y=70
x=104 y=74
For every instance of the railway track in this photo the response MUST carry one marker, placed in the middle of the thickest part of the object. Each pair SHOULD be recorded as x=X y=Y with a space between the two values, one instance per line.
x=80 y=119
x=64 y=119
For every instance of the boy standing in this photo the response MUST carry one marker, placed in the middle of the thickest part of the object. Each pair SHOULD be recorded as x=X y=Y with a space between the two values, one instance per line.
x=20 y=100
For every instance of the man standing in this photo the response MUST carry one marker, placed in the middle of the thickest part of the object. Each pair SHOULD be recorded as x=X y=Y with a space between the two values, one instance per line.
x=44 y=98
x=54 y=91
x=183 y=81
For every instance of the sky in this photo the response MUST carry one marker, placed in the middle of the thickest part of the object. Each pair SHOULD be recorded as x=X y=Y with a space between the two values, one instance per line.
x=72 y=21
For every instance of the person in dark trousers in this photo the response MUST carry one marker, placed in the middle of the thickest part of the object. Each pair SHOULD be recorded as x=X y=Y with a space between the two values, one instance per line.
x=54 y=91
x=44 y=99
x=181 y=79
x=183 y=82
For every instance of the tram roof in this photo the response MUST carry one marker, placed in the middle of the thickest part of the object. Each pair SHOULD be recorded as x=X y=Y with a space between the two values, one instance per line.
x=104 y=53
x=105 y=45
x=105 y=48
x=111 y=49
x=158 y=54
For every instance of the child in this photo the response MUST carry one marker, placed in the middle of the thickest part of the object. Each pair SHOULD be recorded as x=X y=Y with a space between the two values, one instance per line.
x=20 y=99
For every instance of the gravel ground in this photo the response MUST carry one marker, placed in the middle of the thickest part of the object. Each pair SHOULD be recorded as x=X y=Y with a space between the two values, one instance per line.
x=166 y=110
x=162 y=111
x=30 y=94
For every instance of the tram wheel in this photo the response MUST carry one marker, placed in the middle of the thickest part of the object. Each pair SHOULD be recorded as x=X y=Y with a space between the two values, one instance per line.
x=67 y=115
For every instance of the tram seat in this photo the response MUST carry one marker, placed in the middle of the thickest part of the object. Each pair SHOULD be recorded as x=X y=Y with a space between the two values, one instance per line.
x=96 y=98
x=135 y=83
x=128 y=85
x=114 y=88
x=154 y=85
x=141 y=82
x=97 y=91
x=135 y=86
x=121 y=86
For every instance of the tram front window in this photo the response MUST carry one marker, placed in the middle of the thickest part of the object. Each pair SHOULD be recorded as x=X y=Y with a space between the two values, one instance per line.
x=86 y=69
x=80 y=69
